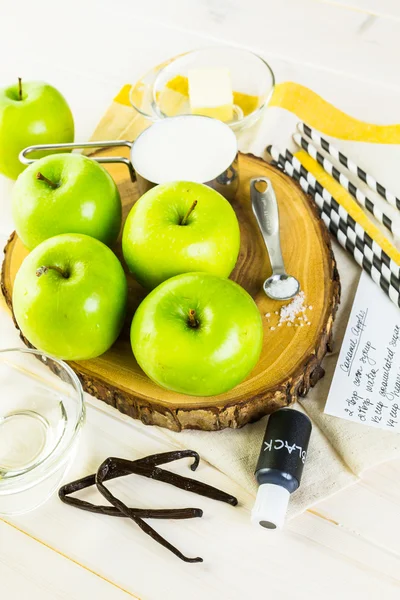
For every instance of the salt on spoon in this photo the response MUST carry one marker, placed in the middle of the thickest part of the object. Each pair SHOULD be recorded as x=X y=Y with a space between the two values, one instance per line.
x=280 y=285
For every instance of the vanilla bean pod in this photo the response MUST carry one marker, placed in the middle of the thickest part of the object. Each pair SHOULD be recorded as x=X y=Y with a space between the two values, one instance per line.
x=101 y=476
x=164 y=458
x=113 y=468
x=184 y=483
x=90 y=480
x=138 y=467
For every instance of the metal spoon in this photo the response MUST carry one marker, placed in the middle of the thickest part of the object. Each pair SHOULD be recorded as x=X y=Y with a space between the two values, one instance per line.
x=280 y=285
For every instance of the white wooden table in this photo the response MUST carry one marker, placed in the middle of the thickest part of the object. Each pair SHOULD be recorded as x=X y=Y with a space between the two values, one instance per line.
x=349 y=545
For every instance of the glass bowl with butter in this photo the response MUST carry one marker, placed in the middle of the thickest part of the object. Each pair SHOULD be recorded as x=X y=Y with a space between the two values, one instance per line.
x=229 y=84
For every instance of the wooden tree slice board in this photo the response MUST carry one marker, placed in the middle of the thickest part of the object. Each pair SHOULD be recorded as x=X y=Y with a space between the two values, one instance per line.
x=290 y=361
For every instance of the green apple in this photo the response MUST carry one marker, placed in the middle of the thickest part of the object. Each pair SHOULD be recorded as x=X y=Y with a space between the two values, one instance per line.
x=31 y=113
x=69 y=297
x=66 y=193
x=197 y=334
x=177 y=228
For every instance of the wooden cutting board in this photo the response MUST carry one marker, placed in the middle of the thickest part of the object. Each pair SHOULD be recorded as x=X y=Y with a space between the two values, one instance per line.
x=291 y=357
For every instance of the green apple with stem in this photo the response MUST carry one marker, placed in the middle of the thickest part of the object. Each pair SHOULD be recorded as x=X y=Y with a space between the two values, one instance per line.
x=180 y=227
x=31 y=113
x=66 y=193
x=197 y=334
x=69 y=297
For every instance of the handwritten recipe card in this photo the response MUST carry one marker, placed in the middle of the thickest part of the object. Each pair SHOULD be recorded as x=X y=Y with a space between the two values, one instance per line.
x=366 y=384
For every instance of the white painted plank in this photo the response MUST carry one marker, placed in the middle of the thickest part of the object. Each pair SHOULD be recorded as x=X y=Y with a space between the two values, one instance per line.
x=318 y=526
x=323 y=35
x=320 y=34
x=384 y=34
x=371 y=508
x=382 y=8
x=30 y=570
x=118 y=551
x=384 y=480
x=96 y=51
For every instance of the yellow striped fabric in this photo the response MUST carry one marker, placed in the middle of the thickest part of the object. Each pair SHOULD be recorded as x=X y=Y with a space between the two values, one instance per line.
x=311 y=108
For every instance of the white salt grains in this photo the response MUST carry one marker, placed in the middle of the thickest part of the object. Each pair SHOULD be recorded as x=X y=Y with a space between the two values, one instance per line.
x=290 y=311
x=282 y=288
x=293 y=313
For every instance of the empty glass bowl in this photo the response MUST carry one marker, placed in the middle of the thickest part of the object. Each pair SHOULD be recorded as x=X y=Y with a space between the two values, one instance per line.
x=164 y=91
x=41 y=414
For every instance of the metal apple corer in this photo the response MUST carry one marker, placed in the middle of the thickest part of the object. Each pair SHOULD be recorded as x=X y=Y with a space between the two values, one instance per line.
x=183 y=148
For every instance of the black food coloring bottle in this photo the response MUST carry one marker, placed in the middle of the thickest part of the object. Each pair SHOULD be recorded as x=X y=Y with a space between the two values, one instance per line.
x=280 y=465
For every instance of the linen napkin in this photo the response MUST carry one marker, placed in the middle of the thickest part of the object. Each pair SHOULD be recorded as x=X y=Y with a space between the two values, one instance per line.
x=339 y=450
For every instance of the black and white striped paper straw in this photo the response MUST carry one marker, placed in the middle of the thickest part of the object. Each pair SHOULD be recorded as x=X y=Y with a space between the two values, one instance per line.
x=347 y=185
x=339 y=226
x=373 y=271
x=349 y=240
x=351 y=166
x=345 y=235
x=390 y=266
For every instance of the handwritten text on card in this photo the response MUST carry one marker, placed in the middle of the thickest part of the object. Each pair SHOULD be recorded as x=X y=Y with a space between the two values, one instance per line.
x=366 y=383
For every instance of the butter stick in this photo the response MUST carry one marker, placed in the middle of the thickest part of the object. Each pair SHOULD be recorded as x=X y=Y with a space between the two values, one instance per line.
x=210 y=93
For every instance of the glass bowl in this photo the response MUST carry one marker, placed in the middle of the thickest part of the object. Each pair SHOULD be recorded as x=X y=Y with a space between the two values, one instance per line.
x=41 y=414
x=163 y=92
